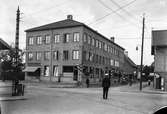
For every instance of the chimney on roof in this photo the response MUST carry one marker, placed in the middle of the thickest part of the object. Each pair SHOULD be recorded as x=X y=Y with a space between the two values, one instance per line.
x=126 y=53
x=69 y=17
x=112 y=39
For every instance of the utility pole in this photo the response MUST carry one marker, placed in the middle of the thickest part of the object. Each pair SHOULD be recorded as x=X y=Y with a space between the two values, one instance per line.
x=16 y=58
x=141 y=66
x=17 y=35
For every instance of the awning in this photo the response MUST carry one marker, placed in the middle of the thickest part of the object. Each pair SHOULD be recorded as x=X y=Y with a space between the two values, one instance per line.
x=30 y=69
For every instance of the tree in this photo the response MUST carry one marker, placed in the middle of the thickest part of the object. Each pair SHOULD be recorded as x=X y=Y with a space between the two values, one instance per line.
x=147 y=70
x=9 y=64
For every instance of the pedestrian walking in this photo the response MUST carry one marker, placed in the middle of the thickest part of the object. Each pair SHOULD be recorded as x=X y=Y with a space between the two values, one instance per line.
x=106 y=86
x=87 y=82
x=149 y=82
x=130 y=80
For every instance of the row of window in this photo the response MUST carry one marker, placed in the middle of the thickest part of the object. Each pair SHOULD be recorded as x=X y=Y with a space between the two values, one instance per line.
x=93 y=71
x=99 y=44
x=47 y=39
x=95 y=58
x=56 y=55
x=55 y=70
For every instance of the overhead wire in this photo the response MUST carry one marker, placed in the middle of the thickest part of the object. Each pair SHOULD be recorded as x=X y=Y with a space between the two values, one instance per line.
x=112 y=12
x=122 y=17
x=123 y=9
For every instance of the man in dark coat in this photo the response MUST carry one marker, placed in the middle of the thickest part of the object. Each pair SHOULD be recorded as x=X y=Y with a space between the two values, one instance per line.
x=105 y=85
x=87 y=82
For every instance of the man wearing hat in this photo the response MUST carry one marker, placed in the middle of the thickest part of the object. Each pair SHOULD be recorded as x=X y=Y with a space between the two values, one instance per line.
x=105 y=85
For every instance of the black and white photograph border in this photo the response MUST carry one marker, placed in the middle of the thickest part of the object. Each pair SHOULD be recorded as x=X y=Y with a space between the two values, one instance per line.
x=83 y=57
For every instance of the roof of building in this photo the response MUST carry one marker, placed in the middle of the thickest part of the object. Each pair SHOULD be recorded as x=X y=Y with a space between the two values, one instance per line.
x=4 y=45
x=66 y=24
x=60 y=24
x=130 y=61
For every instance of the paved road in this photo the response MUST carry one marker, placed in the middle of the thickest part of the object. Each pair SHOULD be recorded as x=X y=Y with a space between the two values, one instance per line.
x=84 y=101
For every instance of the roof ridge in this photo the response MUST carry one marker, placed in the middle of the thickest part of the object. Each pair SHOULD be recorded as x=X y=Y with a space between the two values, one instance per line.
x=58 y=24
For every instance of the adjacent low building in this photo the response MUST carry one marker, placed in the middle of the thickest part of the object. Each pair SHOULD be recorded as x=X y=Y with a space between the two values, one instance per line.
x=4 y=45
x=70 y=51
x=159 y=50
x=130 y=67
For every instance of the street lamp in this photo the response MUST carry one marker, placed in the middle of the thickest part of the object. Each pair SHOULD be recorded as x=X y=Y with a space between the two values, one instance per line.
x=138 y=47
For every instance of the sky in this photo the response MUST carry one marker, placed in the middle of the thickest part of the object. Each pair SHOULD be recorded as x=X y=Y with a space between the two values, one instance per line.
x=119 y=18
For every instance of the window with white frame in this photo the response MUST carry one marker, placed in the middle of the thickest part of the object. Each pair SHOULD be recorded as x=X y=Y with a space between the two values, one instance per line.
x=46 y=70
x=30 y=41
x=100 y=45
x=85 y=37
x=97 y=43
x=57 y=38
x=111 y=62
x=47 y=39
x=55 y=70
x=38 y=56
x=56 y=55
x=93 y=41
x=115 y=52
x=65 y=55
x=91 y=56
x=39 y=40
x=89 y=39
x=46 y=55
x=87 y=56
x=108 y=49
x=105 y=47
x=76 y=37
x=117 y=63
x=76 y=54
x=30 y=56
x=111 y=50
x=66 y=38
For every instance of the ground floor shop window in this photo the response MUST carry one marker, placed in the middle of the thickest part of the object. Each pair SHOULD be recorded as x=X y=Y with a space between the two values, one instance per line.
x=97 y=72
x=55 y=70
x=46 y=70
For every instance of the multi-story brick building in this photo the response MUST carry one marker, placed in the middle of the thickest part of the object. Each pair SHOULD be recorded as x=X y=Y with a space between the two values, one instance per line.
x=70 y=51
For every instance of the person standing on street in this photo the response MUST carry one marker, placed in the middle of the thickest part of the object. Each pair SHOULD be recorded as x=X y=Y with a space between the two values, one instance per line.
x=106 y=86
x=87 y=82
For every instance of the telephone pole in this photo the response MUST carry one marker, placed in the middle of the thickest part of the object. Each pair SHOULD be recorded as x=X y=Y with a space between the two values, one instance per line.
x=141 y=65
x=17 y=35
x=16 y=51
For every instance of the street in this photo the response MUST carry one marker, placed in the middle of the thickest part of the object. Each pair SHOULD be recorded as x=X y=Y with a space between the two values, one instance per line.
x=41 y=100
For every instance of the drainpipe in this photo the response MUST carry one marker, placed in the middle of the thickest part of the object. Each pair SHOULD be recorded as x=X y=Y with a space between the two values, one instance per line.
x=51 y=56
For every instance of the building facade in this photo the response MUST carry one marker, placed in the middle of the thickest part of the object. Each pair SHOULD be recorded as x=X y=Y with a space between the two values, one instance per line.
x=70 y=51
x=159 y=50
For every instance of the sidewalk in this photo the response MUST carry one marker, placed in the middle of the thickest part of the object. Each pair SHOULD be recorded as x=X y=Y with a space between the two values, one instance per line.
x=51 y=84
x=135 y=88
x=6 y=92
x=13 y=98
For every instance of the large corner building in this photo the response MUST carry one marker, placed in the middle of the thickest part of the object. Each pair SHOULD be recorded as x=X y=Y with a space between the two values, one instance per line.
x=70 y=51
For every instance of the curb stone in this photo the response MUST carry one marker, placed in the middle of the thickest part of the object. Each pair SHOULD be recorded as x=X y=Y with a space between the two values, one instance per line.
x=13 y=98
